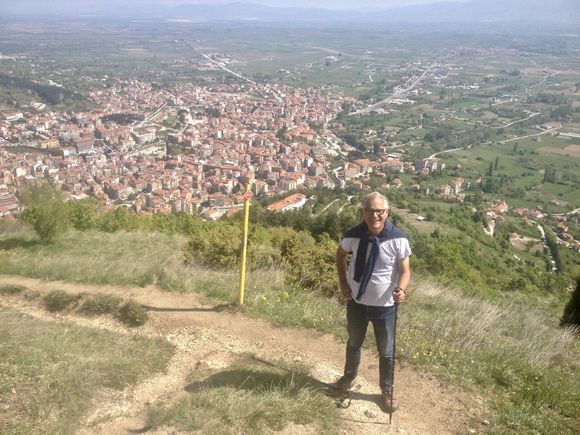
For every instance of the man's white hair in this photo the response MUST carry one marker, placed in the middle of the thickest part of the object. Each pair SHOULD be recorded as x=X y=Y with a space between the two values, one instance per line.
x=367 y=199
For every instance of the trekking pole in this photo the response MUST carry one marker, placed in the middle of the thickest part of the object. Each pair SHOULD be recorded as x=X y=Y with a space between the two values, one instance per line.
x=393 y=368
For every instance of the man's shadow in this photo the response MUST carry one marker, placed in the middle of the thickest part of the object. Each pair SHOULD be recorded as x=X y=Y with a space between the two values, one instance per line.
x=258 y=375
x=263 y=379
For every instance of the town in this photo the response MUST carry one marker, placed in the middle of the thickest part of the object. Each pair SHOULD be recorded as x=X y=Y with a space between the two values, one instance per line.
x=226 y=136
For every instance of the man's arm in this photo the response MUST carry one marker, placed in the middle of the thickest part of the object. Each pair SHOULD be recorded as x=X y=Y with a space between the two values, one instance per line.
x=341 y=255
x=404 y=276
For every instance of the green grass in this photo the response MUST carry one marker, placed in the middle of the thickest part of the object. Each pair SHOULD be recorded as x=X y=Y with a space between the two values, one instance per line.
x=134 y=259
x=250 y=396
x=50 y=372
x=91 y=257
x=286 y=306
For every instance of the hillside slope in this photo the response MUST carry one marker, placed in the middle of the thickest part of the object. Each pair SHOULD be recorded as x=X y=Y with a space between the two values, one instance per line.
x=208 y=339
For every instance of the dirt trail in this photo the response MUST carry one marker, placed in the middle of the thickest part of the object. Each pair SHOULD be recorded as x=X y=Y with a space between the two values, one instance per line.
x=205 y=338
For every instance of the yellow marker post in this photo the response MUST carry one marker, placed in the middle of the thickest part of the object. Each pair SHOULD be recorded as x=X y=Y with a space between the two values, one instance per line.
x=247 y=196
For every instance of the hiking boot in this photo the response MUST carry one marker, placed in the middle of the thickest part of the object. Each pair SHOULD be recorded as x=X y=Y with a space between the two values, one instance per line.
x=343 y=384
x=386 y=401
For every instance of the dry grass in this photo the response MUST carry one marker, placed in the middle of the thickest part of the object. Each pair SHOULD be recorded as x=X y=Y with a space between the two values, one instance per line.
x=470 y=323
x=512 y=352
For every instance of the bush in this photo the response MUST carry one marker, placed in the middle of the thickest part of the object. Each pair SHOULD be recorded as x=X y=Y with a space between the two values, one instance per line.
x=11 y=289
x=59 y=300
x=571 y=314
x=217 y=245
x=311 y=267
x=101 y=304
x=132 y=314
x=83 y=214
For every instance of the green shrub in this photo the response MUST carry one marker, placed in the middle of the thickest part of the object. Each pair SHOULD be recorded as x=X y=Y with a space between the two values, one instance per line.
x=132 y=314
x=217 y=245
x=101 y=304
x=59 y=300
x=571 y=314
x=312 y=267
x=11 y=289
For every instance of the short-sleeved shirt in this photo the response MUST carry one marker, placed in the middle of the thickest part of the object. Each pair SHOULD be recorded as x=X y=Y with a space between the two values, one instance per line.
x=394 y=249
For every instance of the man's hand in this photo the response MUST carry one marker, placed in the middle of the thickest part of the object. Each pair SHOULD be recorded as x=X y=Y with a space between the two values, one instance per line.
x=399 y=295
x=346 y=291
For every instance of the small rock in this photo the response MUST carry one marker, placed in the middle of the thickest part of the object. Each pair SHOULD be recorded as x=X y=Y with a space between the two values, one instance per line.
x=485 y=422
x=13 y=391
x=470 y=430
x=370 y=414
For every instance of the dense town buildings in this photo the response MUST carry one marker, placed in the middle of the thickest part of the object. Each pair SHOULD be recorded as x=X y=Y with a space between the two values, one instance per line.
x=173 y=150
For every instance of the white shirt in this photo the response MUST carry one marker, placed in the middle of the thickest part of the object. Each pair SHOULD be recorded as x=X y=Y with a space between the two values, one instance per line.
x=384 y=277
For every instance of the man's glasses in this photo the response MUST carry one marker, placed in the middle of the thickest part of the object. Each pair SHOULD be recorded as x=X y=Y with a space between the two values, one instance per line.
x=377 y=211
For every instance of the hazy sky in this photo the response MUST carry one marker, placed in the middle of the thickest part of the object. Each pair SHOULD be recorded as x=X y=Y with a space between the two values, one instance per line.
x=327 y=4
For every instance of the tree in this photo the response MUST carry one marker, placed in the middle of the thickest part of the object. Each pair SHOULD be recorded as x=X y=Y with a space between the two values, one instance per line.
x=45 y=210
x=561 y=113
x=549 y=175
x=490 y=170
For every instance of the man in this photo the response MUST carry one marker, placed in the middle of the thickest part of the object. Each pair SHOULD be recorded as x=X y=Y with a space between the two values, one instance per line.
x=374 y=282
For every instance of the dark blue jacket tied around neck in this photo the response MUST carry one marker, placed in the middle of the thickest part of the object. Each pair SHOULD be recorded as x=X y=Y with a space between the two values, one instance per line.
x=363 y=267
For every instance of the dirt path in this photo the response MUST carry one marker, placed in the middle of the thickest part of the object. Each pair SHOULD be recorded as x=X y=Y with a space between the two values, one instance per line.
x=205 y=338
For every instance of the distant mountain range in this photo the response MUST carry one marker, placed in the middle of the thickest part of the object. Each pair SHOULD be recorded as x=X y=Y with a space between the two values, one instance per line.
x=474 y=11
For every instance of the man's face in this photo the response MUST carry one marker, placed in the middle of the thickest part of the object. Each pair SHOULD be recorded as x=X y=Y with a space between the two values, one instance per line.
x=375 y=214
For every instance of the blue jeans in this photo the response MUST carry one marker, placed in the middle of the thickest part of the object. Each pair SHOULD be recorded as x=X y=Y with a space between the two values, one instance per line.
x=383 y=319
